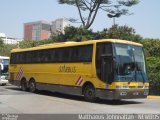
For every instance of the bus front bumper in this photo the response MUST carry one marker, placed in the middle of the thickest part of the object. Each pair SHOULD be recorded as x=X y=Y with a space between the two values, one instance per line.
x=121 y=94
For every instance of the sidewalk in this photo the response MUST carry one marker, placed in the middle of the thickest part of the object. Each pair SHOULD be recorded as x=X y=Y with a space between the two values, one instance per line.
x=153 y=97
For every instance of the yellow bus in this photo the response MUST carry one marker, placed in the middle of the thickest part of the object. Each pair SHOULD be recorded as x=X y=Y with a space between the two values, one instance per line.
x=107 y=69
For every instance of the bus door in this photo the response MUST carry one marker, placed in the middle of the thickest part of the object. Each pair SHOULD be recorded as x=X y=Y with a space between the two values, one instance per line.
x=107 y=69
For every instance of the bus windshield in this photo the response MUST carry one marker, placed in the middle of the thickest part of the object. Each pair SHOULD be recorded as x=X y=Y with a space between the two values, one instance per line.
x=130 y=63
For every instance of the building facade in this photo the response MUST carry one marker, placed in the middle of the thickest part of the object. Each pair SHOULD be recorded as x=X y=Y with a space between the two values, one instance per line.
x=38 y=30
x=41 y=30
x=9 y=40
x=58 y=26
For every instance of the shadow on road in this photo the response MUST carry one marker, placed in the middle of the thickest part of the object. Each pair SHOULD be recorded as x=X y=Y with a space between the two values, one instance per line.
x=13 y=88
x=79 y=98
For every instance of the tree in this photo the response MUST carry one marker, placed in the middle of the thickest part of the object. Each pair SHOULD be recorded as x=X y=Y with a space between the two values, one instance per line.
x=78 y=34
x=123 y=32
x=27 y=44
x=82 y=34
x=74 y=34
x=118 y=32
x=120 y=9
x=152 y=47
x=152 y=53
x=100 y=34
x=91 y=8
x=1 y=42
x=153 y=65
x=6 y=49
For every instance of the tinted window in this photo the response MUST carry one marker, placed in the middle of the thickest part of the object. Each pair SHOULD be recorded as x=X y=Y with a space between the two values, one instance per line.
x=82 y=53
x=66 y=54
x=102 y=50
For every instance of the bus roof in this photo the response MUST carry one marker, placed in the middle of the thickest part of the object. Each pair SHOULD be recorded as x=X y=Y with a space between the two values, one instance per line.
x=72 y=43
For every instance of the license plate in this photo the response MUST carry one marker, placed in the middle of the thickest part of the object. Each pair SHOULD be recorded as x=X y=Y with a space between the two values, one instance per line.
x=135 y=93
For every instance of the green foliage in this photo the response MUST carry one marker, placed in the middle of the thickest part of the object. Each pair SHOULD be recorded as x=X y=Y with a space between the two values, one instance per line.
x=118 y=32
x=151 y=46
x=1 y=42
x=77 y=34
x=34 y=43
x=153 y=65
x=100 y=34
x=27 y=44
x=152 y=52
x=42 y=42
x=5 y=50
x=82 y=34
x=122 y=32
x=74 y=34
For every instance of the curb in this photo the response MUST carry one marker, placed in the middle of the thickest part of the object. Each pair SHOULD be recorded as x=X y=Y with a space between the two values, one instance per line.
x=153 y=97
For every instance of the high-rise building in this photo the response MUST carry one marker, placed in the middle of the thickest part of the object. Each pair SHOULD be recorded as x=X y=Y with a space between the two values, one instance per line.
x=9 y=40
x=38 y=30
x=58 y=26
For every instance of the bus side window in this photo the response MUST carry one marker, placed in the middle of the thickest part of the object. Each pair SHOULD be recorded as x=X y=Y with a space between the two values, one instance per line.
x=81 y=53
x=86 y=53
x=52 y=55
x=66 y=54
x=12 y=61
x=75 y=54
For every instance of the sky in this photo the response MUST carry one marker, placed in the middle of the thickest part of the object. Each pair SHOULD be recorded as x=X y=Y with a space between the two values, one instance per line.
x=14 y=13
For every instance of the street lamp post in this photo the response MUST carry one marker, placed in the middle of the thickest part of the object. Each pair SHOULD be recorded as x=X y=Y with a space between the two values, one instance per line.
x=114 y=16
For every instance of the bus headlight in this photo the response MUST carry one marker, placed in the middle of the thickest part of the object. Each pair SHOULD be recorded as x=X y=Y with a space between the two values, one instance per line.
x=146 y=87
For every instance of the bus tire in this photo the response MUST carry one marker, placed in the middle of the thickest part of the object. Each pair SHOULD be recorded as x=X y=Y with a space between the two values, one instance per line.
x=32 y=86
x=89 y=93
x=23 y=85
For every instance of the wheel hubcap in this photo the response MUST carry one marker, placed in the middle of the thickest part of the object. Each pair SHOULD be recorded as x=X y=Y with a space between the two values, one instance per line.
x=32 y=86
x=90 y=93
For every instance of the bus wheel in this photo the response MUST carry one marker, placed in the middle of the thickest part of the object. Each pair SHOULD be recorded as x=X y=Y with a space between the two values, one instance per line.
x=32 y=86
x=24 y=85
x=89 y=93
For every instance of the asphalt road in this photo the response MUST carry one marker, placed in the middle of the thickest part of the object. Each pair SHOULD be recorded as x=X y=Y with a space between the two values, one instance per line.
x=13 y=100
